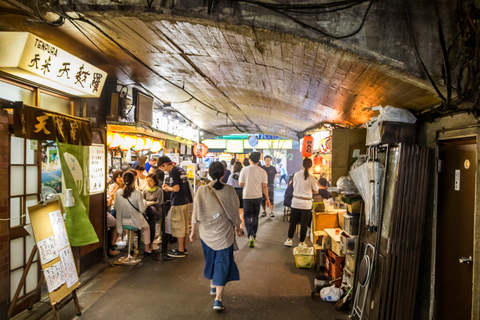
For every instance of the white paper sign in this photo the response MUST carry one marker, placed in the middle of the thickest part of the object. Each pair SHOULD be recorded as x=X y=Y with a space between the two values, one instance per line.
x=47 y=249
x=71 y=276
x=54 y=276
x=457 y=180
x=61 y=238
x=97 y=168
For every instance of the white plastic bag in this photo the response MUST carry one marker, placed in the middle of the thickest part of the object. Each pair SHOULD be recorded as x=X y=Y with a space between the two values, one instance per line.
x=331 y=294
x=388 y=113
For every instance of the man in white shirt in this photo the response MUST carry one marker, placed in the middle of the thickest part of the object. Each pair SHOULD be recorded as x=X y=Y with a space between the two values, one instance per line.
x=254 y=181
x=141 y=181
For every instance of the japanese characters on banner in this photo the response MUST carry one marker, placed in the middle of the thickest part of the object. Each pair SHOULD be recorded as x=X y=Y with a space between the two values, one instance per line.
x=37 y=124
x=97 y=168
x=49 y=62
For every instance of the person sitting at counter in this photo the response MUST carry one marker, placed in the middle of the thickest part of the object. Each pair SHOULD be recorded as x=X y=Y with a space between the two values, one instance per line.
x=323 y=189
x=141 y=180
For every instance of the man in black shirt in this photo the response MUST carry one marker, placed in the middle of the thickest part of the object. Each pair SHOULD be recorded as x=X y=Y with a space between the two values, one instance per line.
x=323 y=189
x=180 y=199
x=271 y=173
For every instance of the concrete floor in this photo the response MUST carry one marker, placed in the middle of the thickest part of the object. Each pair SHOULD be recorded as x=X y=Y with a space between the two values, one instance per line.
x=270 y=286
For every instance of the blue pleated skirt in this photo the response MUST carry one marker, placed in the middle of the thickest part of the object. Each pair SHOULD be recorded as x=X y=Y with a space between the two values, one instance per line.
x=220 y=267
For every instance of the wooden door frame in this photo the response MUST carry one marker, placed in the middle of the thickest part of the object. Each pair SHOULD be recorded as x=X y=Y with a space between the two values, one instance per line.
x=453 y=134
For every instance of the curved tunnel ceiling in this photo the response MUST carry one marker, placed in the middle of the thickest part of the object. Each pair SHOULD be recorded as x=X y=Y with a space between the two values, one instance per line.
x=229 y=78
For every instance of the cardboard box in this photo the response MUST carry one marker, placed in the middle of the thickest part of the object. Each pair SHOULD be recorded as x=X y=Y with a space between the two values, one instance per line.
x=334 y=234
x=345 y=144
x=325 y=220
x=354 y=207
x=322 y=240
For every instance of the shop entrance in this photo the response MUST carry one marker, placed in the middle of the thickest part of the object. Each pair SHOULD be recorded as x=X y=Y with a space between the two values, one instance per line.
x=455 y=221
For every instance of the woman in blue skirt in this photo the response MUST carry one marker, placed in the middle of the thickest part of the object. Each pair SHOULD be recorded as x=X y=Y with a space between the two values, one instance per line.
x=215 y=211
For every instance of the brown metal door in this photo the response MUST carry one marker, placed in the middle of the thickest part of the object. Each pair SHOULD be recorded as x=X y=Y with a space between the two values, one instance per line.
x=456 y=208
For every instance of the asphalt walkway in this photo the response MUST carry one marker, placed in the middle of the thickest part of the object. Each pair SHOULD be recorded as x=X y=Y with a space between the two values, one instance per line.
x=271 y=287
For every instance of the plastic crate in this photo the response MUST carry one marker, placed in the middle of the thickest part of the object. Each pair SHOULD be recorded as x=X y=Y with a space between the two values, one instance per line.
x=303 y=256
x=334 y=266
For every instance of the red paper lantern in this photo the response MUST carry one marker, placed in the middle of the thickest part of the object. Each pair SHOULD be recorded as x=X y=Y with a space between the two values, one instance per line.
x=307 y=148
x=200 y=150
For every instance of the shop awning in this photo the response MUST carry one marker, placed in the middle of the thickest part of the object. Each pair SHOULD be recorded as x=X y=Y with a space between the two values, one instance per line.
x=134 y=128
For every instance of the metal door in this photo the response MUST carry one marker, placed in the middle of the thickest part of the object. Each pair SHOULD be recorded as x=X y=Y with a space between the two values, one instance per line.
x=455 y=218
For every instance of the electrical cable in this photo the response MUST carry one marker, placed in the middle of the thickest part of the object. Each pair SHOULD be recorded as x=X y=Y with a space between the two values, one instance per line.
x=417 y=54
x=446 y=62
x=280 y=9
x=82 y=19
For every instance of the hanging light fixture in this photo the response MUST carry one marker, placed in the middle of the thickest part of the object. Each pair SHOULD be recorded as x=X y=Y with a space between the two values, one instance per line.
x=109 y=138
x=157 y=146
x=127 y=143
x=117 y=140
x=307 y=148
x=140 y=144
x=200 y=150
x=148 y=144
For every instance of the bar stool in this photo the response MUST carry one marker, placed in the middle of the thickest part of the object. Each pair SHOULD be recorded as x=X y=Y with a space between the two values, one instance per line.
x=129 y=260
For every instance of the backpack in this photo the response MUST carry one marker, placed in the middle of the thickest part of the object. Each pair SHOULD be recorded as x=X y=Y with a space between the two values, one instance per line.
x=287 y=199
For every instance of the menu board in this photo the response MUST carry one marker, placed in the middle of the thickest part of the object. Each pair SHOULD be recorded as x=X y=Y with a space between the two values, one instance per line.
x=56 y=257
x=97 y=168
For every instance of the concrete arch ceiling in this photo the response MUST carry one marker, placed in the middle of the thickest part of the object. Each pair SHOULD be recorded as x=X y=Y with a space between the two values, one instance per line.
x=231 y=78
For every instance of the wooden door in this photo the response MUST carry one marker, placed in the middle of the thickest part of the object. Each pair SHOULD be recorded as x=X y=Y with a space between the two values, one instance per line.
x=455 y=220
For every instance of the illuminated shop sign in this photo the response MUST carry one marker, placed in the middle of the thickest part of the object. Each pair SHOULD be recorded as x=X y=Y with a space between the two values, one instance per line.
x=270 y=144
x=234 y=146
x=30 y=57
x=215 y=143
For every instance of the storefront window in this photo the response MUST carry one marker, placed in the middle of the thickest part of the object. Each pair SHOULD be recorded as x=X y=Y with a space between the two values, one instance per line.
x=55 y=103
x=16 y=93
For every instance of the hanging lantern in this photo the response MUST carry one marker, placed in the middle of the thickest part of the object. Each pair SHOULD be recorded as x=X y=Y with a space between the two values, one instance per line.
x=157 y=146
x=307 y=147
x=148 y=144
x=109 y=138
x=117 y=140
x=200 y=150
x=134 y=141
x=127 y=143
x=140 y=144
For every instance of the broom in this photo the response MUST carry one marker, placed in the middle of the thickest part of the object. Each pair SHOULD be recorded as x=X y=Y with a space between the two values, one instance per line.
x=341 y=303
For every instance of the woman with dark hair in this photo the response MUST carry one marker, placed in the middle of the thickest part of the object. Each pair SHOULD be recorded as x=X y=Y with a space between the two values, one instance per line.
x=215 y=210
x=233 y=181
x=153 y=195
x=304 y=185
x=117 y=183
x=130 y=207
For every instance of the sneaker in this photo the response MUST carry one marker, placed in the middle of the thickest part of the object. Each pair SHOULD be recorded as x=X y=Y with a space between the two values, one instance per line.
x=185 y=252
x=113 y=253
x=288 y=243
x=302 y=245
x=251 y=242
x=213 y=291
x=176 y=254
x=218 y=305
x=271 y=215
x=264 y=214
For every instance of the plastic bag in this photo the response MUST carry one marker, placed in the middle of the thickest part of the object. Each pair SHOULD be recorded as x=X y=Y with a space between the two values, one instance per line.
x=345 y=183
x=388 y=113
x=331 y=294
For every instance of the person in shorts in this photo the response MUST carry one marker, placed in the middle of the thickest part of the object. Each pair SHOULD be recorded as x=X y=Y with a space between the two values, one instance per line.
x=271 y=173
x=180 y=199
